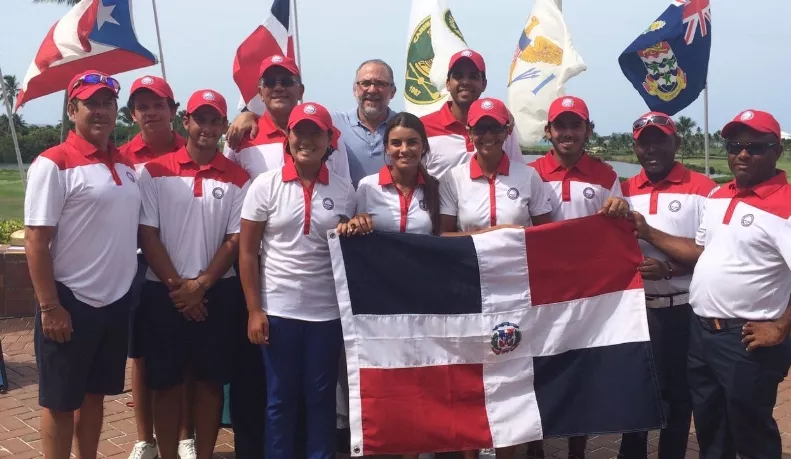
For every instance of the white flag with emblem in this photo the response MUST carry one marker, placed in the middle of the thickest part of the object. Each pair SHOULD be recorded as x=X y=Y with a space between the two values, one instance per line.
x=544 y=60
x=433 y=37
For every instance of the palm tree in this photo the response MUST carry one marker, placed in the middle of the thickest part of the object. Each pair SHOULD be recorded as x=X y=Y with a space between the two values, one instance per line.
x=12 y=89
x=684 y=126
x=125 y=117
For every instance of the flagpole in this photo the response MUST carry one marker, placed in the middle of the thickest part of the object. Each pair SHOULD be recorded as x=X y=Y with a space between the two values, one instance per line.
x=159 y=40
x=706 y=128
x=297 y=54
x=13 y=130
x=64 y=117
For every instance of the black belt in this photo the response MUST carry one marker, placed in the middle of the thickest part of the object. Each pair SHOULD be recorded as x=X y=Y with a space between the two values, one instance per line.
x=716 y=325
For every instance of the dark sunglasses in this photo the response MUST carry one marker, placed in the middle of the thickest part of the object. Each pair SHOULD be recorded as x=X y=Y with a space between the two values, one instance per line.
x=752 y=148
x=271 y=83
x=658 y=120
x=379 y=84
x=493 y=128
x=95 y=78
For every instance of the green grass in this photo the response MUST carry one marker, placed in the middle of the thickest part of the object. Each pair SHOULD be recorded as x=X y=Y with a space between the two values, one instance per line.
x=12 y=194
x=719 y=163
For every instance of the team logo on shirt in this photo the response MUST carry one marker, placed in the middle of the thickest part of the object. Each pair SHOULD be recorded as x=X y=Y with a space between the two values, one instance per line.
x=218 y=193
x=505 y=338
x=131 y=176
x=328 y=204
x=747 y=220
x=589 y=192
x=208 y=95
x=423 y=205
x=674 y=205
x=147 y=80
x=512 y=193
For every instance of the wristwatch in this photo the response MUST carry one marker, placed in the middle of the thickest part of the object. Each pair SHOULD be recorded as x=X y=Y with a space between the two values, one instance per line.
x=669 y=267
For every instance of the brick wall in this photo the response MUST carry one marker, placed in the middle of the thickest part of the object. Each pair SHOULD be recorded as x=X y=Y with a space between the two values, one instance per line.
x=16 y=290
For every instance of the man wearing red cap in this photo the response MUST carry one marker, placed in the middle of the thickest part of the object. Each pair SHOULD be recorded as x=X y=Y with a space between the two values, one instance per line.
x=81 y=216
x=449 y=141
x=739 y=346
x=672 y=199
x=153 y=109
x=189 y=232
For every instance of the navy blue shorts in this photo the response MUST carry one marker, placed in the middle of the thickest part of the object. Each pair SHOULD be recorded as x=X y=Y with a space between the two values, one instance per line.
x=137 y=310
x=93 y=362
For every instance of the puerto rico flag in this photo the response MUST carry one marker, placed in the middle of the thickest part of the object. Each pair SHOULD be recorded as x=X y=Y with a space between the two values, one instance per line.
x=94 y=34
x=274 y=36
x=496 y=339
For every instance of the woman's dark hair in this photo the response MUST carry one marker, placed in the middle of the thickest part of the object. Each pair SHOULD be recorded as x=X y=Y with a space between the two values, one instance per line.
x=431 y=192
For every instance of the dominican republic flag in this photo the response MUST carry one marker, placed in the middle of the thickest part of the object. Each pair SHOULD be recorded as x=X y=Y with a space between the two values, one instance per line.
x=274 y=36
x=494 y=340
x=94 y=34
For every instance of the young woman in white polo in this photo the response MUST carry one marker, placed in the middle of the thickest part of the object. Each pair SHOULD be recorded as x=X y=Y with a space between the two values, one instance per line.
x=293 y=310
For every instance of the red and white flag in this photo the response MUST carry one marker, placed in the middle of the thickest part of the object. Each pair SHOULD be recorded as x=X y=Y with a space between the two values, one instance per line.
x=493 y=340
x=94 y=34
x=274 y=36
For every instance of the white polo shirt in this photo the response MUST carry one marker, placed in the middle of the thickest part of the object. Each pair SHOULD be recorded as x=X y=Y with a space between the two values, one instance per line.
x=267 y=151
x=674 y=206
x=193 y=206
x=514 y=195
x=297 y=270
x=139 y=153
x=450 y=145
x=744 y=269
x=391 y=210
x=580 y=191
x=92 y=200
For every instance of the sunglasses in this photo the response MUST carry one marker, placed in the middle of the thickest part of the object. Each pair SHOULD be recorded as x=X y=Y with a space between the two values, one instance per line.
x=658 y=120
x=752 y=148
x=95 y=78
x=379 y=84
x=271 y=83
x=493 y=128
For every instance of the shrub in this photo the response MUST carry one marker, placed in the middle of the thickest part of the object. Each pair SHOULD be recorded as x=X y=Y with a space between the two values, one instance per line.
x=7 y=227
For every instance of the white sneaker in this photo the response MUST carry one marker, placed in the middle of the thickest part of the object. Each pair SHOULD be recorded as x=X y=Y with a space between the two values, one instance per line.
x=187 y=449
x=144 y=450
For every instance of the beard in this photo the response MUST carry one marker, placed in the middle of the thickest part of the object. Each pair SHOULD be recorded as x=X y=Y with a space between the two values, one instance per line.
x=369 y=111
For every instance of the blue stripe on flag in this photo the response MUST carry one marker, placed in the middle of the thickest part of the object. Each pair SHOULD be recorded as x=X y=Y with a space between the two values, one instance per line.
x=280 y=10
x=434 y=275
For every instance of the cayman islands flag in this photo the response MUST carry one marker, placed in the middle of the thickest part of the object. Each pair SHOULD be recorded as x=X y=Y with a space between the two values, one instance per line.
x=668 y=64
x=495 y=339
x=94 y=34
x=433 y=38
x=273 y=36
x=544 y=60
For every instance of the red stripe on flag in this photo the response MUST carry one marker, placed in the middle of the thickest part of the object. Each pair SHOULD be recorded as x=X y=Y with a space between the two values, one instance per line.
x=606 y=263
x=253 y=50
x=402 y=407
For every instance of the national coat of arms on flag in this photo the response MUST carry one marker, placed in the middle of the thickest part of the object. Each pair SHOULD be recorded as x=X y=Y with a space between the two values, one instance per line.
x=495 y=339
x=668 y=63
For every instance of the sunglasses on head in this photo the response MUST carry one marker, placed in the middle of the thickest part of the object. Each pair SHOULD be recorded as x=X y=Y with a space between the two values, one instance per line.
x=481 y=129
x=95 y=78
x=271 y=83
x=752 y=148
x=658 y=120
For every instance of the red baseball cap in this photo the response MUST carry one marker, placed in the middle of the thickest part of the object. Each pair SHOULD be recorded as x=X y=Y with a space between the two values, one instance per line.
x=494 y=108
x=279 y=61
x=568 y=104
x=473 y=56
x=85 y=84
x=756 y=120
x=208 y=97
x=659 y=120
x=317 y=114
x=154 y=84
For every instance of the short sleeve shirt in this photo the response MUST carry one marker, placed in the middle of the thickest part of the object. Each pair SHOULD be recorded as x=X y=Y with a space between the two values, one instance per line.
x=364 y=147
x=674 y=206
x=139 y=153
x=580 y=191
x=512 y=196
x=93 y=201
x=390 y=209
x=296 y=267
x=744 y=269
x=450 y=146
x=193 y=206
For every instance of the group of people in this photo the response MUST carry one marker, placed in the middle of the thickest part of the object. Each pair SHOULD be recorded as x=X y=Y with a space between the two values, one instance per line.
x=210 y=268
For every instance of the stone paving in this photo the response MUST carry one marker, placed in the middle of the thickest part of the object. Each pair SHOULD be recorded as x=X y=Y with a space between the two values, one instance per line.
x=20 y=413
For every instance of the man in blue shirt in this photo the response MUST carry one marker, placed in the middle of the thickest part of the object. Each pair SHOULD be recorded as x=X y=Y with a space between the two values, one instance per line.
x=362 y=129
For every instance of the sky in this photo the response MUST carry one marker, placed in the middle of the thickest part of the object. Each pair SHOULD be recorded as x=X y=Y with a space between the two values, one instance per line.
x=748 y=67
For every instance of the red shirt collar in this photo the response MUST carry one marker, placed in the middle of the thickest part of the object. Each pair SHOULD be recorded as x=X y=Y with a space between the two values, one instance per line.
x=290 y=171
x=447 y=118
x=386 y=177
x=217 y=162
x=502 y=168
x=267 y=126
x=137 y=143
x=86 y=148
x=584 y=165
x=764 y=189
x=675 y=176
